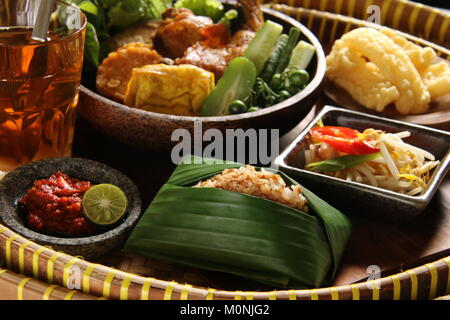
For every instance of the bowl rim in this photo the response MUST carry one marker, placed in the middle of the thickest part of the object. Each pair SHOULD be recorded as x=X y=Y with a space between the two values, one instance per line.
x=434 y=183
x=134 y=211
x=315 y=83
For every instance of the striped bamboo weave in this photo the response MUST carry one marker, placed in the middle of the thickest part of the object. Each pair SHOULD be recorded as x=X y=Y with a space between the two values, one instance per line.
x=14 y=286
x=330 y=26
x=46 y=274
x=413 y=18
x=57 y=270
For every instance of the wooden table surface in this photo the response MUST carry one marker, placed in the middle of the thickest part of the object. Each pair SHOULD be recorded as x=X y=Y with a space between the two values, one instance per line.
x=392 y=248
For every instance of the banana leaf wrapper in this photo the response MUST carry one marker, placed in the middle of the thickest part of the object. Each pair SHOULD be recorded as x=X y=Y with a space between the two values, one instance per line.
x=255 y=238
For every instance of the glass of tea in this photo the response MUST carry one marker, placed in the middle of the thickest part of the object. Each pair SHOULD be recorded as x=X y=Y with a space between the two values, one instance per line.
x=39 y=82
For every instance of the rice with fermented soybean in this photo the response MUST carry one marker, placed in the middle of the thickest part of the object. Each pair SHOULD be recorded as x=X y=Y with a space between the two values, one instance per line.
x=262 y=184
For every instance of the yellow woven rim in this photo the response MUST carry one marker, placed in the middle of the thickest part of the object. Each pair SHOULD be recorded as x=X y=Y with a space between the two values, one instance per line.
x=424 y=282
x=327 y=24
x=401 y=15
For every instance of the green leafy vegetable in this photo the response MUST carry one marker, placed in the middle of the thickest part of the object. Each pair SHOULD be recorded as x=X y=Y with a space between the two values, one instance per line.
x=127 y=12
x=282 y=87
x=208 y=8
x=263 y=95
x=228 y=17
x=105 y=16
x=281 y=76
x=88 y=7
x=92 y=45
x=341 y=163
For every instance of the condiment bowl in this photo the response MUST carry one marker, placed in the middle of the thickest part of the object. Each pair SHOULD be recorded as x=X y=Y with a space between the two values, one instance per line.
x=16 y=183
x=362 y=199
x=153 y=131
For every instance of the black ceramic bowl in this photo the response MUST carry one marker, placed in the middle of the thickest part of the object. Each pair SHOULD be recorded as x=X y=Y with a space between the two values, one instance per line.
x=16 y=183
x=154 y=130
x=362 y=199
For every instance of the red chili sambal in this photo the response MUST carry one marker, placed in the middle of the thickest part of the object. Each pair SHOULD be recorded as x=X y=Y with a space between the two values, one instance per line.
x=54 y=206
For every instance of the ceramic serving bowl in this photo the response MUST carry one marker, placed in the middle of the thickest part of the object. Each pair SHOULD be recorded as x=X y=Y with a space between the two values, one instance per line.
x=16 y=183
x=363 y=199
x=153 y=131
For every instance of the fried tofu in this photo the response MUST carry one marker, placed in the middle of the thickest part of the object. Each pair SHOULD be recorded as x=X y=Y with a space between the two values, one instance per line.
x=178 y=90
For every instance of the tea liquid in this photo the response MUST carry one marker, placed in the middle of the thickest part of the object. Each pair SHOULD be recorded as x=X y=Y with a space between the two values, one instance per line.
x=38 y=96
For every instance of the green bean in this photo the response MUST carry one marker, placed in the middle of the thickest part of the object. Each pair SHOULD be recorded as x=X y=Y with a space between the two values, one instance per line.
x=272 y=62
x=294 y=34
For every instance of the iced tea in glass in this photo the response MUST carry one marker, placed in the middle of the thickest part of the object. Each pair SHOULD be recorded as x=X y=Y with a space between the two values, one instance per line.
x=39 y=82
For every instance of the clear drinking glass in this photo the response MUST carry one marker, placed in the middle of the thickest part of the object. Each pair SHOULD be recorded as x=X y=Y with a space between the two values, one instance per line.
x=39 y=82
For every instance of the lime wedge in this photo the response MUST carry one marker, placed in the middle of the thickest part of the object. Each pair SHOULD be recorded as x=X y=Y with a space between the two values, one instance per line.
x=104 y=204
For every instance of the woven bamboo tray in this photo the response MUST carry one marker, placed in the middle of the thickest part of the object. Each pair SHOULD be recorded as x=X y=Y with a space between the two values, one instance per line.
x=31 y=271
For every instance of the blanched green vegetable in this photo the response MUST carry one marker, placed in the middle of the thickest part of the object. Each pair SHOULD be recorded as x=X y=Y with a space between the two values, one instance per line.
x=341 y=163
x=228 y=17
x=236 y=84
x=207 y=8
x=262 y=45
x=264 y=96
x=299 y=78
x=106 y=15
x=301 y=56
x=294 y=34
x=253 y=109
x=282 y=77
x=91 y=46
x=237 y=107
x=271 y=64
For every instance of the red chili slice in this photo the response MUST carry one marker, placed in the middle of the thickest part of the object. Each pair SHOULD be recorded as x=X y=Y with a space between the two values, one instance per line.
x=343 y=139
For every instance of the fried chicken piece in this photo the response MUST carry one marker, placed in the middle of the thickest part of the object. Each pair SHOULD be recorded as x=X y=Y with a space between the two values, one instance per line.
x=216 y=35
x=253 y=15
x=214 y=51
x=217 y=59
x=114 y=73
x=142 y=32
x=179 y=30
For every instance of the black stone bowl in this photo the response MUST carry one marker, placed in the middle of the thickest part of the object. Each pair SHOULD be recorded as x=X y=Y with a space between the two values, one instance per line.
x=153 y=131
x=16 y=183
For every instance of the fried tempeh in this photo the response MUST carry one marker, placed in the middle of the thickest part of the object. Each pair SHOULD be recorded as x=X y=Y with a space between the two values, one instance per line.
x=114 y=73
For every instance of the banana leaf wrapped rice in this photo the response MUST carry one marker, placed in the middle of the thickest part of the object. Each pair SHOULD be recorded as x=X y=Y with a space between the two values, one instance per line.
x=252 y=222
